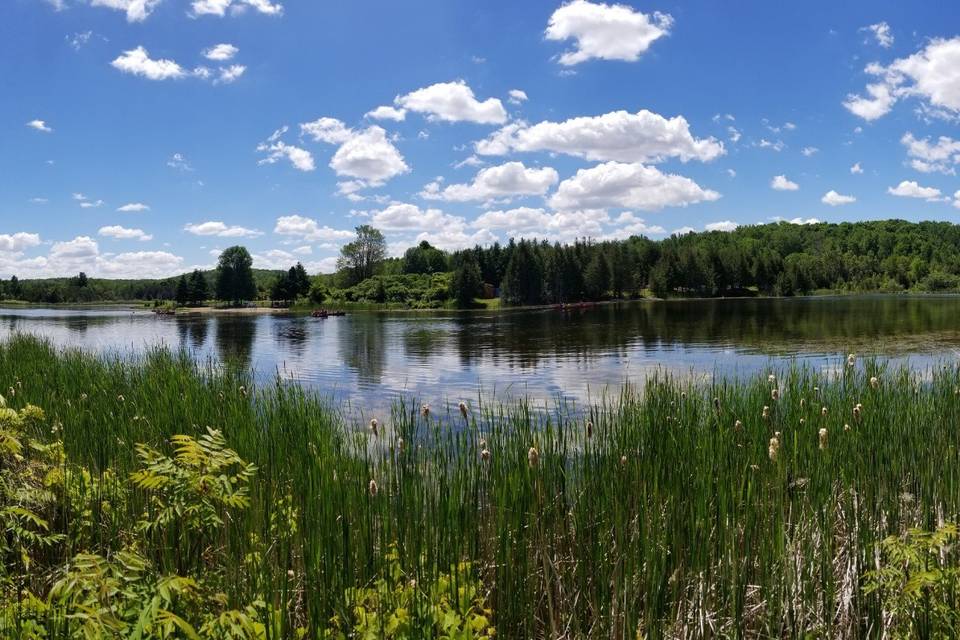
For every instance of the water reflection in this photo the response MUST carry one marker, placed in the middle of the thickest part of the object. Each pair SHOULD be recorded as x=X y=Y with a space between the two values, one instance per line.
x=373 y=358
x=361 y=344
x=235 y=336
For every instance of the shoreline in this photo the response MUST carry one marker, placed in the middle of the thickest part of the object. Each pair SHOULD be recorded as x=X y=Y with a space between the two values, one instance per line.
x=303 y=310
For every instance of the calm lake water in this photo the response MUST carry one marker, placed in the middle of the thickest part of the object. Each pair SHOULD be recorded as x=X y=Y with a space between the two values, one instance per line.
x=369 y=359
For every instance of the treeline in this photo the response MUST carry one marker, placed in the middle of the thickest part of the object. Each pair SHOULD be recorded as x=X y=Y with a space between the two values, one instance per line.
x=774 y=259
x=194 y=288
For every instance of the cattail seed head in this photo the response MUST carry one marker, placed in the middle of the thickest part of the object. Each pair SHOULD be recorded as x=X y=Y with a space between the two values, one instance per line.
x=623 y=461
x=373 y=489
x=683 y=395
x=425 y=410
x=738 y=425
x=775 y=394
x=374 y=426
x=857 y=412
x=851 y=360
x=772 y=379
x=463 y=409
x=803 y=403
x=774 y=448
x=716 y=404
x=766 y=412
x=823 y=412
x=803 y=421
x=482 y=443
x=399 y=444
x=533 y=457
x=243 y=391
x=589 y=429
x=875 y=382
x=120 y=398
x=485 y=454
x=822 y=435
x=290 y=573
x=846 y=427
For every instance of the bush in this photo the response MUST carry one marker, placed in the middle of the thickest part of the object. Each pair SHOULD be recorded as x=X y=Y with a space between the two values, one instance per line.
x=397 y=606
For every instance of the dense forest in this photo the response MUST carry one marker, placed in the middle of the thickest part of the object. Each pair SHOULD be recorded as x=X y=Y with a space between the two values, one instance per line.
x=773 y=259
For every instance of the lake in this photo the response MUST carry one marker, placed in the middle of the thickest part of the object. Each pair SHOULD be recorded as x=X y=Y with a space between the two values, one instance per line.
x=370 y=359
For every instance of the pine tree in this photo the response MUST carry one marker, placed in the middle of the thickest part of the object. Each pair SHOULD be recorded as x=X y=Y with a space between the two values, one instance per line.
x=182 y=296
x=466 y=283
x=199 y=290
x=597 y=277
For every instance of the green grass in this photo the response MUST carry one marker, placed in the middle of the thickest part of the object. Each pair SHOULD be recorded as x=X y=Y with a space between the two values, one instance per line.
x=664 y=517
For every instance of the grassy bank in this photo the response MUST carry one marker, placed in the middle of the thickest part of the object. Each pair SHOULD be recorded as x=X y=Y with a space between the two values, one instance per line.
x=159 y=496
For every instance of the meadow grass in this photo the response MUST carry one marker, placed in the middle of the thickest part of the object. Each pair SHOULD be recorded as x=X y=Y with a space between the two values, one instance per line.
x=668 y=511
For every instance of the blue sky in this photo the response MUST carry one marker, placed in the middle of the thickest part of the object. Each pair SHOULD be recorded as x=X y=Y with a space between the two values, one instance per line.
x=140 y=137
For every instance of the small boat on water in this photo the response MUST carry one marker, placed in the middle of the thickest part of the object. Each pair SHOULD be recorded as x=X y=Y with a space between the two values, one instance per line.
x=323 y=313
x=573 y=306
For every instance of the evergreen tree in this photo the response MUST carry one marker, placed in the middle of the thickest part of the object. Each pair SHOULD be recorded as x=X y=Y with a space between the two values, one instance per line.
x=198 y=287
x=182 y=295
x=597 y=277
x=235 y=281
x=523 y=278
x=282 y=288
x=300 y=279
x=466 y=283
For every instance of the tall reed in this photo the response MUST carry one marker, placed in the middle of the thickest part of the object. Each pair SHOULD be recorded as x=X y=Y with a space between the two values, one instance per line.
x=662 y=511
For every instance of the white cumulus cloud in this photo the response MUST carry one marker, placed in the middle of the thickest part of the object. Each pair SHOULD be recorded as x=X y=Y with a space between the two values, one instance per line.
x=221 y=52
x=136 y=10
x=910 y=189
x=939 y=156
x=220 y=229
x=385 y=112
x=932 y=75
x=781 y=183
x=607 y=32
x=619 y=135
x=503 y=181
x=40 y=125
x=134 y=207
x=276 y=150
x=629 y=186
x=16 y=242
x=220 y=8
x=723 y=225
x=309 y=229
x=835 y=199
x=139 y=63
x=881 y=33
x=453 y=102
x=123 y=233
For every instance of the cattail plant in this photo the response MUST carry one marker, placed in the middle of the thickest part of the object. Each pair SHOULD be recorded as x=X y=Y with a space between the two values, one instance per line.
x=822 y=437
x=533 y=457
x=374 y=427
